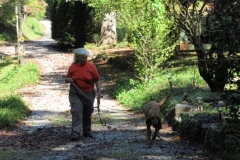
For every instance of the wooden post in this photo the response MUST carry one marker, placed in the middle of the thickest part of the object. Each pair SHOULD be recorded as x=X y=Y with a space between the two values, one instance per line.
x=17 y=27
x=20 y=57
x=25 y=13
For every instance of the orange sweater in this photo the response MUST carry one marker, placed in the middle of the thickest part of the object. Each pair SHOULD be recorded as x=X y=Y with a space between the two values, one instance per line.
x=83 y=76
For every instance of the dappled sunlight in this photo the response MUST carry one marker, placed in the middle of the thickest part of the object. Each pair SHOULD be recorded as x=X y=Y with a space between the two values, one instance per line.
x=45 y=134
x=109 y=143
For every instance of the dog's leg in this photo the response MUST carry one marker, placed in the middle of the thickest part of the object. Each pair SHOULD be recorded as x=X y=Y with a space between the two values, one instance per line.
x=158 y=134
x=155 y=134
x=148 y=134
x=159 y=127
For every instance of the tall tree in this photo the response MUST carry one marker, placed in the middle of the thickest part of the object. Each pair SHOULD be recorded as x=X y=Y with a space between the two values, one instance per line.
x=221 y=63
x=80 y=19
x=72 y=22
x=108 y=29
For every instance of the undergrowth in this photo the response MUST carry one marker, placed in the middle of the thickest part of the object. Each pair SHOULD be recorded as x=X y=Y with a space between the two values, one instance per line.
x=6 y=34
x=134 y=94
x=228 y=141
x=12 y=109
x=13 y=77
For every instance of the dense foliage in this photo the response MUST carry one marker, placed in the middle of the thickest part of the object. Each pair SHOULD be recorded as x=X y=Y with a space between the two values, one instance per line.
x=72 y=23
x=219 y=65
x=223 y=34
x=7 y=21
x=35 y=9
x=148 y=27
x=62 y=16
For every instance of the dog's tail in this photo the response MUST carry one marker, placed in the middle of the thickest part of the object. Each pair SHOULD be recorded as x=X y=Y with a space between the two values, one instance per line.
x=163 y=100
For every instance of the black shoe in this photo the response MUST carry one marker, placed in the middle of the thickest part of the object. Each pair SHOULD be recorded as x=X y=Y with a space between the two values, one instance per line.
x=88 y=135
x=74 y=138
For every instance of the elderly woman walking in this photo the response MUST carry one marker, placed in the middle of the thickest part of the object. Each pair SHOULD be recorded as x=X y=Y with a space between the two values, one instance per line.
x=82 y=75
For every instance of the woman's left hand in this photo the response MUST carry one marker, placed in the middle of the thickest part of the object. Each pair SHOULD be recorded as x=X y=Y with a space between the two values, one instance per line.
x=68 y=80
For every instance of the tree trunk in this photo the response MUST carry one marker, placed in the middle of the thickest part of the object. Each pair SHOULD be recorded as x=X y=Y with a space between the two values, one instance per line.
x=80 y=18
x=213 y=71
x=108 y=30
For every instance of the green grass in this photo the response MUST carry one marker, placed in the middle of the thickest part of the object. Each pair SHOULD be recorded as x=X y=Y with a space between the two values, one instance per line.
x=32 y=29
x=133 y=94
x=23 y=154
x=12 y=109
x=13 y=77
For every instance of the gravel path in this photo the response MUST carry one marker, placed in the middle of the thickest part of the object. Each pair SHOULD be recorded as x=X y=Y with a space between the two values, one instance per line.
x=45 y=134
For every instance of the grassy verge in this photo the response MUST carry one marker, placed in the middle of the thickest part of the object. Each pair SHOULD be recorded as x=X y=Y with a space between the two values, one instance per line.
x=12 y=78
x=32 y=29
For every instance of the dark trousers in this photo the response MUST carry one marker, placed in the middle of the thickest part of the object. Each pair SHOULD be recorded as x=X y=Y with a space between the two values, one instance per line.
x=81 y=110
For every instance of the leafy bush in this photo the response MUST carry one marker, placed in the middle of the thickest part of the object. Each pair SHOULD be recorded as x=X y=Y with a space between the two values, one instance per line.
x=37 y=8
x=140 y=92
x=227 y=140
x=191 y=125
x=233 y=105
x=121 y=33
x=12 y=109
x=7 y=36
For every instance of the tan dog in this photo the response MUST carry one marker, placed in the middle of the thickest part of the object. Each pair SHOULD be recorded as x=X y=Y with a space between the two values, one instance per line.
x=153 y=117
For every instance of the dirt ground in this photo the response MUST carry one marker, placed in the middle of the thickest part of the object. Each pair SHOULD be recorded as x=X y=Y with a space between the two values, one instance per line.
x=44 y=135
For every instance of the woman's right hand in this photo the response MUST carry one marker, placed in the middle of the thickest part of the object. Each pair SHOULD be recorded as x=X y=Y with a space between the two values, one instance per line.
x=68 y=80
